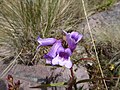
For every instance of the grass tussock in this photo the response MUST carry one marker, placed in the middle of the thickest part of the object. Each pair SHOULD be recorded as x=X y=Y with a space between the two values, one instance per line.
x=108 y=45
x=22 y=21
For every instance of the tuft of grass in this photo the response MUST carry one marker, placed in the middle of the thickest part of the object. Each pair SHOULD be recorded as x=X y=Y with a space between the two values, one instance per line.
x=108 y=46
x=21 y=21
x=109 y=34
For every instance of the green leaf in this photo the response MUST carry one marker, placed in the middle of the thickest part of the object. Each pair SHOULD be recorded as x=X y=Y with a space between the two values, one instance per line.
x=51 y=85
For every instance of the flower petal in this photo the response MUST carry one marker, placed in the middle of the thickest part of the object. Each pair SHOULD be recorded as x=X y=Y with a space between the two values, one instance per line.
x=74 y=35
x=72 y=39
x=68 y=51
x=48 y=61
x=55 y=61
x=46 y=41
x=65 y=62
x=68 y=63
x=79 y=38
x=60 y=49
x=71 y=42
x=62 y=62
x=53 y=51
x=64 y=53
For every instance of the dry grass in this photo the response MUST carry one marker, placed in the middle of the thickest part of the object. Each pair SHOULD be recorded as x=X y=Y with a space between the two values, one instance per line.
x=22 y=21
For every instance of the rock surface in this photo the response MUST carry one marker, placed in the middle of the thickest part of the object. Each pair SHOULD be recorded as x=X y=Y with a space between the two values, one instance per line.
x=101 y=21
x=35 y=75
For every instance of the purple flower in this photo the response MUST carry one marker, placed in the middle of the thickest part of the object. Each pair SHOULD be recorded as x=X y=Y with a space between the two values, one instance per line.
x=72 y=39
x=45 y=42
x=53 y=52
x=57 y=54
x=63 y=57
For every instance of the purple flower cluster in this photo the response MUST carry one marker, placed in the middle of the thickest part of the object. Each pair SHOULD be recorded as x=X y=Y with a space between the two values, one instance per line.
x=58 y=55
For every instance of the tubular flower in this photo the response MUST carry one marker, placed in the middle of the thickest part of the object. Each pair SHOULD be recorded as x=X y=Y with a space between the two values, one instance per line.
x=72 y=39
x=53 y=52
x=63 y=57
x=45 y=42
x=58 y=55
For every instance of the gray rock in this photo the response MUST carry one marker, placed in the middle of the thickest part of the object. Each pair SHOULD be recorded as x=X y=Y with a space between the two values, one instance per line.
x=35 y=75
x=3 y=85
x=109 y=19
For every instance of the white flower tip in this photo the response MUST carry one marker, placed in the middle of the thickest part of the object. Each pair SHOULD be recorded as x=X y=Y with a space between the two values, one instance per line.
x=48 y=61
x=62 y=62
x=68 y=64
x=55 y=61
